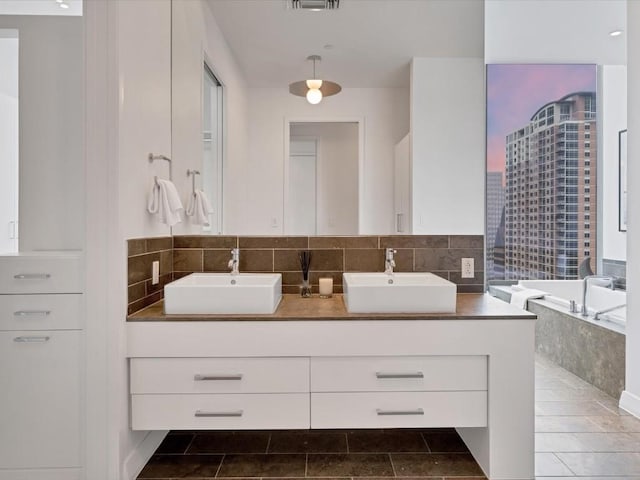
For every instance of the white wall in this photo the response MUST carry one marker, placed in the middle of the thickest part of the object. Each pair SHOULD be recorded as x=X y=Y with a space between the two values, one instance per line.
x=631 y=396
x=613 y=105
x=385 y=113
x=337 y=175
x=143 y=66
x=196 y=39
x=8 y=140
x=51 y=206
x=447 y=146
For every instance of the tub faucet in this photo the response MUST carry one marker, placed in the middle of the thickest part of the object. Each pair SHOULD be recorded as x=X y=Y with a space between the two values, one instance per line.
x=585 y=287
x=389 y=262
x=234 y=263
x=607 y=310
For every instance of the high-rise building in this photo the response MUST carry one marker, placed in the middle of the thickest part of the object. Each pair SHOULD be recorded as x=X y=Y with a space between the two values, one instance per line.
x=495 y=205
x=550 y=208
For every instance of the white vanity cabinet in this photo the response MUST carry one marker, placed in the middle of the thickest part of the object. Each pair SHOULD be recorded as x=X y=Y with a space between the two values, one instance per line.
x=474 y=374
x=219 y=393
x=393 y=392
x=40 y=359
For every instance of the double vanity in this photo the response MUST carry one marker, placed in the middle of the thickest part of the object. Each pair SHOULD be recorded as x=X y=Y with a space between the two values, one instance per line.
x=325 y=364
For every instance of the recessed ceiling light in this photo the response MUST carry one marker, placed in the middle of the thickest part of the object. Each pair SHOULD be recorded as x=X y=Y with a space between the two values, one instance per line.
x=615 y=33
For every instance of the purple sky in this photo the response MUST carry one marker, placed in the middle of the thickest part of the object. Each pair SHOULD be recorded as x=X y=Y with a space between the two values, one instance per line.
x=516 y=92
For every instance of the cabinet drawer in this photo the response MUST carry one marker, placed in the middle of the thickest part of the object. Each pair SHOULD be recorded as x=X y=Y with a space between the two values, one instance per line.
x=40 y=312
x=219 y=375
x=399 y=410
x=389 y=374
x=40 y=274
x=220 y=411
x=40 y=414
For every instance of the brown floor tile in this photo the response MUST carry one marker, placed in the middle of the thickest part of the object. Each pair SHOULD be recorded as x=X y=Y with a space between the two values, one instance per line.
x=444 y=442
x=176 y=443
x=181 y=466
x=350 y=465
x=253 y=465
x=363 y=441
x=432 y=464
x=230 y=442
x=307 y=442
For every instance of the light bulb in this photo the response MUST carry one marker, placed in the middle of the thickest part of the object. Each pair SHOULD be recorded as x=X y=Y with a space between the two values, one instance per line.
x=314 y=96
x=314 y=84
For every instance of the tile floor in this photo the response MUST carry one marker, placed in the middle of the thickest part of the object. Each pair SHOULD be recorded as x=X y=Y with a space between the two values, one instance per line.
x=580 y=432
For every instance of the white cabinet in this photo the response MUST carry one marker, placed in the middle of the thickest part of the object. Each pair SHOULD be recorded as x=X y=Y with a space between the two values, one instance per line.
x=475 y=374
x=219 y=393
x=40 y=358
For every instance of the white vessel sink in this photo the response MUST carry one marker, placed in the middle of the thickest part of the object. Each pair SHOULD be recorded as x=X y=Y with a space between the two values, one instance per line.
x=216 y=293
x=398 y=293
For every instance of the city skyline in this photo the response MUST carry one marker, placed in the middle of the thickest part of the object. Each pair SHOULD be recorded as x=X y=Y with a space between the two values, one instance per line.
x=516 y=92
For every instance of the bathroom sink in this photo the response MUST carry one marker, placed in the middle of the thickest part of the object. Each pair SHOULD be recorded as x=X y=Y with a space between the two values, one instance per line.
x=217 y=293
x=398 y=293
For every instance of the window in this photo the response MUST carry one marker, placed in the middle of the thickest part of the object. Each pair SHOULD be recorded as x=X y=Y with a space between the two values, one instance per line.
x=212 y=146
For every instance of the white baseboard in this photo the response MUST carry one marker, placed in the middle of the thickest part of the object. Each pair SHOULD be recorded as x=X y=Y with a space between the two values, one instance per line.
x=630 y=403
x=139 y=457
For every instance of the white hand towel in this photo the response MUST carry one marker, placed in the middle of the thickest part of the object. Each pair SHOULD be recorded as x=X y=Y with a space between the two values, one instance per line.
x=199 y=208
x=520 y=298
x=164 y=202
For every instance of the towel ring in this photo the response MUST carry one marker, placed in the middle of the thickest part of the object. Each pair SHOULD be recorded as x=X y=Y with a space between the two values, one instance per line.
x=151 y=157
x=192 y=174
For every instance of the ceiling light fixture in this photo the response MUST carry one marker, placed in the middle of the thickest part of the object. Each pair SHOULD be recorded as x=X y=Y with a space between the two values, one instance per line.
x=314 y=89
x=615 y=33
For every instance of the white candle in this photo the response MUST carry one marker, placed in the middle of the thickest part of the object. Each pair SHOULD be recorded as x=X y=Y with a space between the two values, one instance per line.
x=326 y=287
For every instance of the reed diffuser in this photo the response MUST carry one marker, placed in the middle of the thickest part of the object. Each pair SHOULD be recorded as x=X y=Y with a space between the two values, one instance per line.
x=305 y=262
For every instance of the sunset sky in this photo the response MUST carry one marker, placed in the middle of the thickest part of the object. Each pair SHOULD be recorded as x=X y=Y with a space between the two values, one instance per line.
x=516 y=92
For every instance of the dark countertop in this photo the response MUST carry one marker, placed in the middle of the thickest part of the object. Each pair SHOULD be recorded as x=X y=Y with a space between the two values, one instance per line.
x=470 y=306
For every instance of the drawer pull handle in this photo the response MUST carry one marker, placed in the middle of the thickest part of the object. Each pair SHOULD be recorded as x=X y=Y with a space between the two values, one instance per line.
x=34 y=339
x=234 y=413
x=32 y=313
x=32 y=276
x=400 y=375
x=202 y=378
x=417 y=411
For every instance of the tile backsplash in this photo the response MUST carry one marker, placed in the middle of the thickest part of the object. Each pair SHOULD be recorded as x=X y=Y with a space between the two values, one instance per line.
x=142 y=252
x=331 y=256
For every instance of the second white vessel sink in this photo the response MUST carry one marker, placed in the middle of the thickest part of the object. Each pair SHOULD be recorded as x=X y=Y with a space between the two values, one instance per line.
x=223 y=293
x=398 y=293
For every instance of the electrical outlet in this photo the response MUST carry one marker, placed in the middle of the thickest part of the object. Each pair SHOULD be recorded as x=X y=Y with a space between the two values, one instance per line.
x=155 y=273
x=468 y=268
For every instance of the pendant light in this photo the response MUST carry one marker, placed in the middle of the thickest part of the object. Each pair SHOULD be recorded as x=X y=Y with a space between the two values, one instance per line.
x=314 y=89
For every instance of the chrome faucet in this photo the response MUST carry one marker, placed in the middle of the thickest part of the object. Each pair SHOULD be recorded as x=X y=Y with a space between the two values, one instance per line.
x=596 y=316
x=585 y=287
x=234 y=263
x=389 y=262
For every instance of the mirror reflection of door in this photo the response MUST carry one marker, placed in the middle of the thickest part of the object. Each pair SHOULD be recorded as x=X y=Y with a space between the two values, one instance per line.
x=323 y=178
x=8 y=141
x=212 y=147
x=302 y=186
